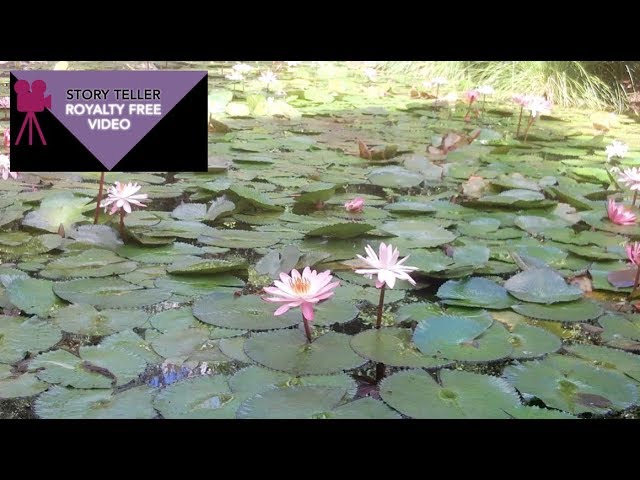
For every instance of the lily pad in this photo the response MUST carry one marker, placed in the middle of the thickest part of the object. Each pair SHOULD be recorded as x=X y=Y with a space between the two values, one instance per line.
x=393 y=347
x=395 y=177
x=198 y=397
x=289 y=351
x=248 y=312
x=419 y=234
x=461 y=395
x=608 y=358
x=541 y=285
x=19 y=336
x=25 y=385
x=86 y=320
x=340 y=230
x=59 y=208
x=33 y=296
x=574 y=386
x=578 y=311
x=73 y=403
x=532 y=342
x=475 y=292
x=108 y=293
x=437 y=333
x=239 y=239
x=89 y=263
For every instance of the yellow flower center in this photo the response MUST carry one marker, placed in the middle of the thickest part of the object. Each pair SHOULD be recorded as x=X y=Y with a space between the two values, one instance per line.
x=300 y=286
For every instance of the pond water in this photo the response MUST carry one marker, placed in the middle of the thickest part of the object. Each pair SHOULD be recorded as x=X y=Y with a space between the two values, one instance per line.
x=515 y=312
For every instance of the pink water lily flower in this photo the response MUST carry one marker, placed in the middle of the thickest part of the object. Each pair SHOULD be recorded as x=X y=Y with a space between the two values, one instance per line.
x=5 y=170
x=633 y=253
x=302 y=291
x=355 y=206
x=630 y=177
x=619 y=215
x=472 y=96
x=7 y=138
x=538 y=105
x=123 y=195
x=386 y=266
x=520 y=99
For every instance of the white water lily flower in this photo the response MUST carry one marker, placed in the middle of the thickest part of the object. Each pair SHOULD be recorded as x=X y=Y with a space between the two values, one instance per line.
x=616 y=149
x=386 y=266
x=235 y=77
x=370 y=73
x=268 y=77
x=538 y=106
x=486 y=90
x=293 y=64
x=629 y=176
x=5 y=170
x=122 y=195
x=242 y=67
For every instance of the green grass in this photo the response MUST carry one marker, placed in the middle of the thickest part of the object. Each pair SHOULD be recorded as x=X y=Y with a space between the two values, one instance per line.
x=593 y=85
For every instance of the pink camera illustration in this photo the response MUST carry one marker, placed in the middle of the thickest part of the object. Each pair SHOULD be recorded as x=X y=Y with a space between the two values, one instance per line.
x=30 y=100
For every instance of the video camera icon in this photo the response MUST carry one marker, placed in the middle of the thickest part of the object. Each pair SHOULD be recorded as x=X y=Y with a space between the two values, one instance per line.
x=31 y=99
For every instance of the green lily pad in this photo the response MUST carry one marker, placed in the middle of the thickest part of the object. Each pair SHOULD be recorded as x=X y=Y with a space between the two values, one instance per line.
x=621 y=331
x=608 y=358
x=108 y=293
x=578 y=311
x=254 y=197
x=436 y=333
x=393 y=347
x=198 y=285
x=60 y=208
x=33 y=296
x=239 y=239
x=541 y=285
x=289 y=351
x=234 y=349
x=130 y=341
x=88 y=370
x=19 y=336
x=528 y=412
x=198 y=397
x=395 y=177
x=89 y=263
x=25 y=385
x=334 y=311
x=248 y=312
x=158 y=255
x=179 y=344
x=195 y=266
x=573 y=385
x=475 y=292
x=317 y=192
x=189 y=211
x=461 y=395
x=86 y=320
x=100 y=236
x=340 y=230
x=532 y=342
x=73 y=403
x=417 y=234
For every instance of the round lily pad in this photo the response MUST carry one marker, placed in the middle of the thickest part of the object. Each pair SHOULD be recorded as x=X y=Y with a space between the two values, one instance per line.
x=528 y=412
x=610 y=358
x=108 y=293
x=531 y=342
x=19 y=336
x=292 y=402
x=334 y=311
x=461 y=395
x=130 y=341
x=174 y=319
x=363 y=408
x=395 y=177
x=239 y=239
x=234 y=349
x=393 y=347
x=86 y=320
x=541 y=285
x=578 y=311
x=198 y=285
x=340 y=230
x=417 y=234
x=73 y=403
x=94 y=262
x=248 y=312
x=572 y=385
x=33 y=296
x=437 y=333
x=475 y=292
x=180 y=343
x=289 y=351
x=621 y=331
x=25 y=385
x=198 y=397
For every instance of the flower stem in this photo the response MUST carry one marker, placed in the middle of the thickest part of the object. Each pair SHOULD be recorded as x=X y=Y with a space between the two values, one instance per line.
x=519 y=121
x=122 y=223
x=635 y=197
x=380 y=306
x=635 y=282
x=437 y=91
x=484 y=97
x=100 y=189
x=307 y=329
x=526 y=132
x=380 y=370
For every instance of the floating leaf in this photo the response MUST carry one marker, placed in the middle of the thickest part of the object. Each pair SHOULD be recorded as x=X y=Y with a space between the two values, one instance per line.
x=419 y=234
x=59 y=208
x=475 y=292
x=86 y=320
x=25 y=385
x=340 y=230
x=395 y=177
x=578 y=311
x=531 y=342
x=195 y=266
x=437 y=333
x=239 y=239
x=254 y=197
x=72 y=403
x=89 y=263
x=289 y=351
x=462 y=395
x=393 y=347
x=541 y=285
x=108 y=293
x=18 y=336
x=573 y=385
x=199 y=397
x=33 y=296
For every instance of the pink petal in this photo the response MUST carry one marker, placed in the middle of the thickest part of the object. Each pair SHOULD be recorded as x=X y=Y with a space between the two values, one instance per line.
x=307 y=311
x=283 y=309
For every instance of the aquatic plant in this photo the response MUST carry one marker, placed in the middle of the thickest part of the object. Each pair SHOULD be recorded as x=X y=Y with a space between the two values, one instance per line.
x=537 y=106
x=356 y=205
x=6 y=138
x=5 y=170
x=631 y=178
x=618 y=214
x=121 y=196
x=616 y=149
x=304 y=291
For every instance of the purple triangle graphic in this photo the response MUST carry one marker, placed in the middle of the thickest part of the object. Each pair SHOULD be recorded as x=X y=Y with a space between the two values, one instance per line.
x=111 y=146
